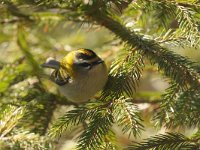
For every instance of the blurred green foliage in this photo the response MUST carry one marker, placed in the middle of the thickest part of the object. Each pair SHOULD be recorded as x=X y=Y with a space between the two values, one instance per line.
x=33 y=30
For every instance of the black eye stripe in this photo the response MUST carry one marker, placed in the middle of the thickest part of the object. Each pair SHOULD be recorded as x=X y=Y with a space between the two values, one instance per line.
x=85 y=64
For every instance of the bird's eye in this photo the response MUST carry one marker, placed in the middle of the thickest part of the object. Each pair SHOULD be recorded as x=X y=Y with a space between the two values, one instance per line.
x=85 y=65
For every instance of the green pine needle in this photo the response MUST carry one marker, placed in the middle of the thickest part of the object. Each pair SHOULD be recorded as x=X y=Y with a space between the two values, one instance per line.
x=127 y=116
x=95 y=134
x=166 y=141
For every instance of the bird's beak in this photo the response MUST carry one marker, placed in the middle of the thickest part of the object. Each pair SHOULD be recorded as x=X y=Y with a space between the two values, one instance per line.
x=51 y=63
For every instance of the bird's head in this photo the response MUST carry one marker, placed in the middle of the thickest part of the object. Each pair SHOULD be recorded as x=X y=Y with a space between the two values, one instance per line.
x=75 y=62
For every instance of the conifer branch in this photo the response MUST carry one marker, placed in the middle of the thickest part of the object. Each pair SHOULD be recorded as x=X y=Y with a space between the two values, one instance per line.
x=127 y=116
x=179 y=106
x=188 y=25
x=95 y=134
x=182 y=18
x=9 y=119
x=76 y=116
x=100 y=115
x=10 y=132
x=166 y=141
x=169 y=97
x=174 y=66
x=124 y=75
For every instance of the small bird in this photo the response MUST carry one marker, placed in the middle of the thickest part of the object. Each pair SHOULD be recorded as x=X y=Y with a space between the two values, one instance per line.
x=79 y=75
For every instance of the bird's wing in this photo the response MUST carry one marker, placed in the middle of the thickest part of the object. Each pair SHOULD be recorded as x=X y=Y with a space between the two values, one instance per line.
x=59 y=77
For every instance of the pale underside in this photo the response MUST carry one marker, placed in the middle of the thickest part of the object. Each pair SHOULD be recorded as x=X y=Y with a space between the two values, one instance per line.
x=85 y=86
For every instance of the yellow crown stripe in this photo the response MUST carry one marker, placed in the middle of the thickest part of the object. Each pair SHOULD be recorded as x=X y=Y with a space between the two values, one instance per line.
x=83 y=51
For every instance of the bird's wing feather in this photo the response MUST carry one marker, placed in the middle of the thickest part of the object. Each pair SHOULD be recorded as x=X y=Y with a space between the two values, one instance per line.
x=59 y=77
